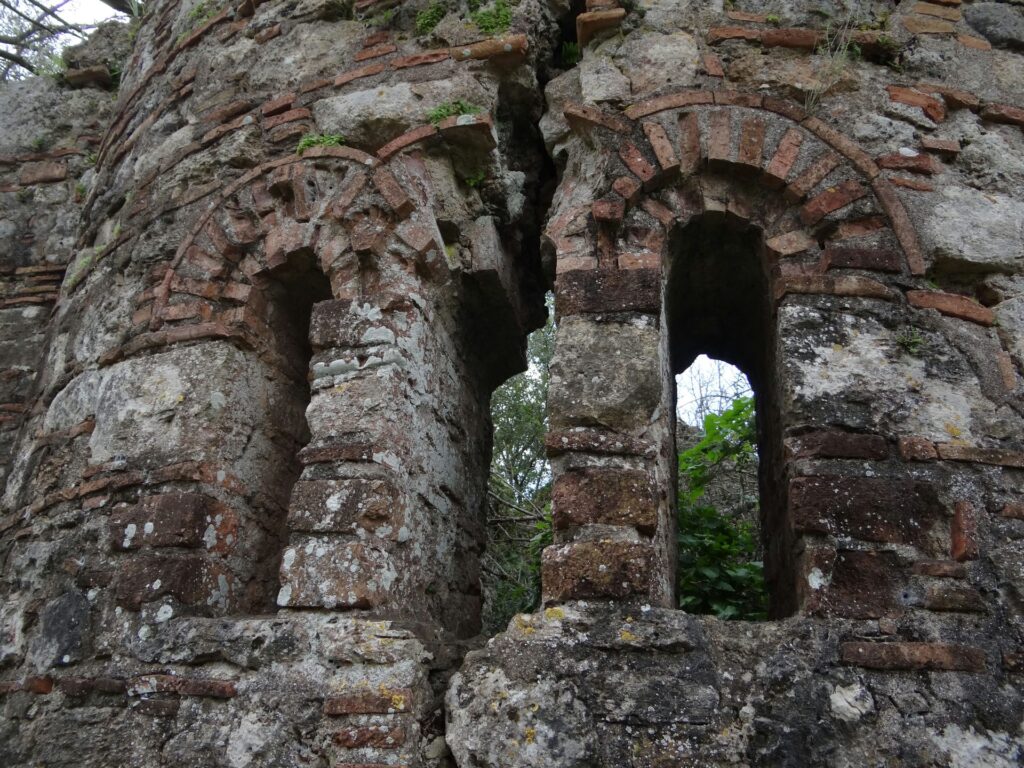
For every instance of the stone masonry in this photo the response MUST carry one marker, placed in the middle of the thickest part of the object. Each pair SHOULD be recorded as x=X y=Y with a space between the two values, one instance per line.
x=244 y=422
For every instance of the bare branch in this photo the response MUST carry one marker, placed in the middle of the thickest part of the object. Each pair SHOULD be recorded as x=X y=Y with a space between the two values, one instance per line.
x=16 y=59
x=52 y=12
x=34 y=22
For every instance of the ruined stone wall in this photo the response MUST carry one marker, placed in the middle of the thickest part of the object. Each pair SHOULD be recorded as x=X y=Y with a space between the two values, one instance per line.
x=248 y=446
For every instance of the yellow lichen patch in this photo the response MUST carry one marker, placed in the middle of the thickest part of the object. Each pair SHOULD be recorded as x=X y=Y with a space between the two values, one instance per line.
x=627 y=637
x=523 y=623
x=554 y=613
x=397 y=699
x=953 y=429
x=531 y=735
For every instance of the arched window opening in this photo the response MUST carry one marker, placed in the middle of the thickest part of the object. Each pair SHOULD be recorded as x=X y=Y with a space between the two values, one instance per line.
x=721 y=339
x=288 y=296
x=519 y=489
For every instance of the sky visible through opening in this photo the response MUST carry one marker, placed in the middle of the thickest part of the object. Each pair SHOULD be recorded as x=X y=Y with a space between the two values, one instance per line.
x=88 y=12
x=708 y=386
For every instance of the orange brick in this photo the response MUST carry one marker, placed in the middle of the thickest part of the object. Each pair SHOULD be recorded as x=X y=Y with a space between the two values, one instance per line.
x=376 y=51
x=370 y=702
x=663 y=150
x=931 y=106
x=356 y=74
x=785 y=156
x=963 y=532
x=609 y=209
x=804 y=39
x=589 y=117
x=908 y=656
x=689 y=143
x=669 y=101
x=719 y=137
x=802 y=185
x=1003 y=113
x=832 y=199
x=915 y=448
x=713 y=66
x=919 y=163
x=636 y=162
x=590 y=23
x=718 y=34
x=287 y=117
x=751 y=143
x=952 y=304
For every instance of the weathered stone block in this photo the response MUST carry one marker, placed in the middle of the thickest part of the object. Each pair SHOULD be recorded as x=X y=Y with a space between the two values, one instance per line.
x=169 y=520
x=854 y=584
x=192 y=580
x=601 y=290
x=604 y=569
x=605 y=496
x=834 y=444
x=627 y=393
x=871 y=509
x=347 y=506
x=334 y=572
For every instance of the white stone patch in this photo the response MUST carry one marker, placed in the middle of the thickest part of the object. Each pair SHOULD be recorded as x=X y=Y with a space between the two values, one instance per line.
x=246 y=741
x=284 y=595
x=850 y=703
x=990 y=749
x=334 y=501
x=129 y=534
x=147 y=529
x=164 y=613
x=378 y=335
x=816 y=579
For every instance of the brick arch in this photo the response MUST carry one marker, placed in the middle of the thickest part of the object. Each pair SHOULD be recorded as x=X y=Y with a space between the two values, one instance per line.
x=658 y=143
x=252 y=224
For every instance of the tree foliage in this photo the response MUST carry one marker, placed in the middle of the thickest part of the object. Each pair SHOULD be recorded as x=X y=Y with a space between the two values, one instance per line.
x=519 y=493
x=718 y=570
x=34 y=32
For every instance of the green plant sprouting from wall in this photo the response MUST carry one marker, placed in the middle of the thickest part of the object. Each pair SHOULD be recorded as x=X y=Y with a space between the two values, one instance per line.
x=474 y=180
x=570 y=54
x=430 y=17
x=201 y=13
x=910 y=340
x=452 y=109
x=837 y=50
x=311 y=140
x=494 y=20
x=718 y=571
